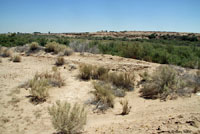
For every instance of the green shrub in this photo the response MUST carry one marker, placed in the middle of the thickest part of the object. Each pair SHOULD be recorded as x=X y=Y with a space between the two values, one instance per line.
x=67 y=119
x=125 y=107
x=163 y=82
x=16 y=58
x=33 y=46
x=60 y=61
x=103 y=96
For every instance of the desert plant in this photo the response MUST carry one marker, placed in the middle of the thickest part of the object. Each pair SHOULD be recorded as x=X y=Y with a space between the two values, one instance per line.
x=103 y=96
x=67 y=119
x=163 y=82
x=39 y=89
x=7 y=53
x=33 y=46
x=145 y=76
x=60 y=61
x=125 y=107
x=55 y=47
x=68 y=51
x=85 y=71
x=123 y=80
x=16 y=58
x=98 y=72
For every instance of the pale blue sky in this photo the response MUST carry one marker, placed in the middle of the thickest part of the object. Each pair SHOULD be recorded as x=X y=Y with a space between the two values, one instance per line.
x=96 y=15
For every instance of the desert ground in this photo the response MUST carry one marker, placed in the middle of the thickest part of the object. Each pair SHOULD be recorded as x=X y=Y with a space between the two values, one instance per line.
x=19 y=116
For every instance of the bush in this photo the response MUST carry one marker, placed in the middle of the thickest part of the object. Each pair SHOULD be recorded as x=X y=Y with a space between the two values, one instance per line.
x=67 y=119
x=103 y=96
x=34 y=46
x=60 y=61
x=39 y=89
x=54 y=47
x=6 y=53
x=16 y=58
x=85 y=71
x=68 y=51
x=98 y=72
x=125 y=108
x=123 y=80
x=164 y=82
x=41 y=82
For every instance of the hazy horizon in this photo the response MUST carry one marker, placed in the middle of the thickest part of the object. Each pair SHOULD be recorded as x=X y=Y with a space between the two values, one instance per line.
x=64 y=16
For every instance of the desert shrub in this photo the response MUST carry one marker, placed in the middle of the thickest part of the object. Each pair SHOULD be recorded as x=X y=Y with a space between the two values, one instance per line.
x=33 y=46
x=6 y=53
x=67 y=119
x=125 y=107
x=16 y=58
x=39 y=89
x=84 y=46
x=98 y=72
x=68 y=51
x=163 y=82
x=60 y=61
x=85 y=71
x=145 y=76
x=40 y=84
x=123 y=80
x=55 y=47
x=103 y=96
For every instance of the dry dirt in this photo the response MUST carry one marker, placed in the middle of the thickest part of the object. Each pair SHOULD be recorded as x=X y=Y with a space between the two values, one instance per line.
x=19 y=116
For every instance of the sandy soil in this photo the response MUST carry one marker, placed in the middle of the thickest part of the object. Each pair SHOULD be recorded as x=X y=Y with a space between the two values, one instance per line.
x=19 y=116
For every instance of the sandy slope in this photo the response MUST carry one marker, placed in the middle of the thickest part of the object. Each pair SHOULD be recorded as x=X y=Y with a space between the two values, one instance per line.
x=19 y=116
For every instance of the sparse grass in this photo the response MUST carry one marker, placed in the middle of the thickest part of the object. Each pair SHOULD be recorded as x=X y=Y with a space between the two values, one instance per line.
x=103 y=96
x=40 y=84
x=67 y=119
x=125 y=107
x=33 y=46
x=16 y=58
x=60 y=61
x=163 y=83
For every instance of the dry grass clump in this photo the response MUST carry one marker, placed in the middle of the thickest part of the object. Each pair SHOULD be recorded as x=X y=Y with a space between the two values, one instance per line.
x=16 y=58
x=163 y=82
x=122 y=80
x=39 y=89
x=67 y=119
x=68 y=51
x=92 y=72
x=40 y=84
x=103 y=96
x=55 y=47
x=5 y=52
x=85 y=71
x=60 y=61
x=33 y=46
x=125 y=107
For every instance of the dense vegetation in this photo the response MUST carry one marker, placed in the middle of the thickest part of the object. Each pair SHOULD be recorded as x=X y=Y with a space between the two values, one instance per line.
x=167 y=49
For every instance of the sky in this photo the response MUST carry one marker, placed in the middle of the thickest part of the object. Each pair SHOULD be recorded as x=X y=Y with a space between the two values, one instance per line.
x=58 y=16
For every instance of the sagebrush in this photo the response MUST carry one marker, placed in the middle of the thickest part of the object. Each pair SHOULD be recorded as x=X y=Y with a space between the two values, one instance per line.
x=67 y=119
